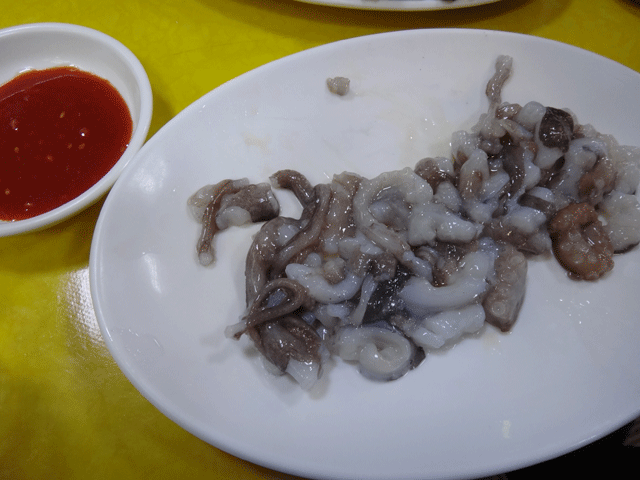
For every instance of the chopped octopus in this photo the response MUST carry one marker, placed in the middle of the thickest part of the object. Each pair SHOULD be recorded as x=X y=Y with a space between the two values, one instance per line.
x=380 y=271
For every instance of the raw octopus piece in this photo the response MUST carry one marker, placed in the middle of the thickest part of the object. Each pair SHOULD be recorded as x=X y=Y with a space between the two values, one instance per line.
x=506 y=295
x=229 y=202
x=580 y=242
x=381 y=271
x=338 y=85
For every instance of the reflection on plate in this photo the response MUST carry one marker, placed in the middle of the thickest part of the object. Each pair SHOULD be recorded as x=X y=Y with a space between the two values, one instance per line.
x=400 y=4
x=567 y=373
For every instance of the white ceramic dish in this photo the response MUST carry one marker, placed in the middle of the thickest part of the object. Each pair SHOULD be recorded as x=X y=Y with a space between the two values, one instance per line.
x=401 y=5
x=47 y=45
x=568 y=373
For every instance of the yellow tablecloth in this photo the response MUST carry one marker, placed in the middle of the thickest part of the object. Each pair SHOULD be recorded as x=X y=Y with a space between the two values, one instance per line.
x=66 y=410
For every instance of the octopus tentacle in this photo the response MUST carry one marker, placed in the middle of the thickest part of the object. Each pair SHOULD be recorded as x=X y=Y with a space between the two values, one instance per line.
x=415 y=190
x=204 y=247
x=379 y=271
x=307 y=236
x=251 y=203
x=290 y=338
x=382 y=354
x=504 y=299
x=580 y=242
x=297 y=183
x=339 y=221
x=296 y=296
x=229 y=202
x=266 y=243
x=496 y=83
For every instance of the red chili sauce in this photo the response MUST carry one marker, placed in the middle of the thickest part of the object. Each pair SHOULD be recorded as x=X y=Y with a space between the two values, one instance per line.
x=61 y=130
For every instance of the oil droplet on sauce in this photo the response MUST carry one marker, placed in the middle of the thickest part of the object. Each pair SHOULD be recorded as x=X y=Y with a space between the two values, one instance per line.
x=61 y=131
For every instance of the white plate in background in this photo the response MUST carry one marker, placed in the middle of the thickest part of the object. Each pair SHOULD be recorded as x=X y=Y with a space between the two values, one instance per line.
x=403 y=5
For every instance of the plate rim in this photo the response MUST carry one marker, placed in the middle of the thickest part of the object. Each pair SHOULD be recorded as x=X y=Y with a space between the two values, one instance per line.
x=400 y=5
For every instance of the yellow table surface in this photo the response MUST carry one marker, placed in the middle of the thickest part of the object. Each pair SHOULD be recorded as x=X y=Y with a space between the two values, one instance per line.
x=66 y=410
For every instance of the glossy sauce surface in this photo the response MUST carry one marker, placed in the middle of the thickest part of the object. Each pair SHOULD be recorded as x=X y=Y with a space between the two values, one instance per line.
x=61 y=131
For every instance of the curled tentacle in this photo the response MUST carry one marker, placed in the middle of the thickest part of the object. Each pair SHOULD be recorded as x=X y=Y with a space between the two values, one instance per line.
x=297 y=183
x=308 y=236
x=318 y=286
x=467 y=286
x=580 y=242
x=582 y=157
x=289 y=338
x=273 y=235
x=414 y=190
x=382 y=354
x=229 y=202
x=253 y=203
x=261 y=311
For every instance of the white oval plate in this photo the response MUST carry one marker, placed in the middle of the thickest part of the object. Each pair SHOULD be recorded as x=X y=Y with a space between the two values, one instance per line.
x=415 y=5
x=568 y=373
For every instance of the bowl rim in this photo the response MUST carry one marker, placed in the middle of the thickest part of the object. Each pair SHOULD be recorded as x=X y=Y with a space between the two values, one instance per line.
x=138 y=136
